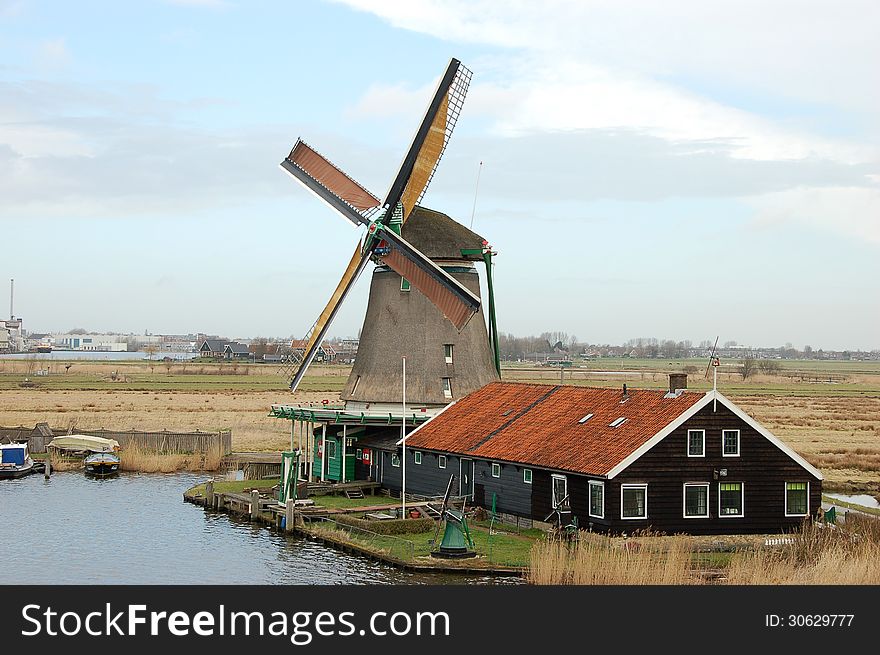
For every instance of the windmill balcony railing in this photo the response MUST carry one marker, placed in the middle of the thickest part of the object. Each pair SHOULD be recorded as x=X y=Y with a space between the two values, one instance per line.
x=330 y=414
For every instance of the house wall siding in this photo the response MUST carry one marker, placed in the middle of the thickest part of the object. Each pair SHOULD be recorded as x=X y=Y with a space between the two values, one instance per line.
x=761 y=467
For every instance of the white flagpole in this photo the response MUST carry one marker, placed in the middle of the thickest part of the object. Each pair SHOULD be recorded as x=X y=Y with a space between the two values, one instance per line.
x=403 y=444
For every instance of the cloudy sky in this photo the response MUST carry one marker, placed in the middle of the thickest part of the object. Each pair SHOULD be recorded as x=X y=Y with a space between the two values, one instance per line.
x=678 y=169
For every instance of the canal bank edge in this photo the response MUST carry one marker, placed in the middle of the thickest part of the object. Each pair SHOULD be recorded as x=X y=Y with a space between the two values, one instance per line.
x=272 y=514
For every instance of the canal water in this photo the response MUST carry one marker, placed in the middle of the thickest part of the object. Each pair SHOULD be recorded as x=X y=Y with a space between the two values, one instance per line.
x=136 y=529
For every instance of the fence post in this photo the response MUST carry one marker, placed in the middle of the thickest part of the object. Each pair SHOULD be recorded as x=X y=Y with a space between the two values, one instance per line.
x=289 y=518
x=209 y=493
x=255 y=505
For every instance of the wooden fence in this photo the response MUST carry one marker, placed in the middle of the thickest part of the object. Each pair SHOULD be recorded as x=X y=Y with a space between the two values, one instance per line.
x=164 y=442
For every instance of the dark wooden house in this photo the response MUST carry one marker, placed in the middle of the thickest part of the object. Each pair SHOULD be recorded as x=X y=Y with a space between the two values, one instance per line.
x=621 y=461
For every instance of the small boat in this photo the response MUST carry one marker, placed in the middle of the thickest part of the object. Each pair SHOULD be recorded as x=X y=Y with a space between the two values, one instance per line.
x=15 y=461
x=101 y=464
x=100 y=456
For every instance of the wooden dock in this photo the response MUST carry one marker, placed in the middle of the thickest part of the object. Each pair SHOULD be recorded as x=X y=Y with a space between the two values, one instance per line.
x=297 y=521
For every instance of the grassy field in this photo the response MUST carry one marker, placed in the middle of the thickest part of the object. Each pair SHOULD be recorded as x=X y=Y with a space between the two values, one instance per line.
x=835 y=425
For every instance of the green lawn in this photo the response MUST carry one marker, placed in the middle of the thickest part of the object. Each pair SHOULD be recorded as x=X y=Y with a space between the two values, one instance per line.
x=496 y=549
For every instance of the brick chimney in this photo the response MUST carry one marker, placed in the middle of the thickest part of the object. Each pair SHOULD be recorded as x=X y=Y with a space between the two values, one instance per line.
x=677 y=381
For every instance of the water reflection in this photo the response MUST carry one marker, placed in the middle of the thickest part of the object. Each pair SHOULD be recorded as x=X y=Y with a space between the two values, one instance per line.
x=136 y=529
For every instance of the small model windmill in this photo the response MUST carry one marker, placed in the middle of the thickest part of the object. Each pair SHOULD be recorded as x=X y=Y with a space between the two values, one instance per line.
x=384 y=219
x=564 y=524
x=457 y=542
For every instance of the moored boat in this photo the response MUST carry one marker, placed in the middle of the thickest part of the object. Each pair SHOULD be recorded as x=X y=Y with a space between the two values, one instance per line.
x=100 y=456
x=15 y=461
x=101 y=464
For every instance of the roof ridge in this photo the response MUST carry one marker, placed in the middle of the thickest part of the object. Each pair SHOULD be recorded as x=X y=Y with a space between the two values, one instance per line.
x=518 y=416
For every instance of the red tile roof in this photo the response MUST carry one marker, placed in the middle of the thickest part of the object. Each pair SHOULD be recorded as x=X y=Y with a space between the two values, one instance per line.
x=538 y=424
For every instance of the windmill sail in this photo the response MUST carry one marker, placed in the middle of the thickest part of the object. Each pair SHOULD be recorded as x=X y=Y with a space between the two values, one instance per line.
x=450 y=296
x=329 y=183
x=430 y=140
x=319 y=330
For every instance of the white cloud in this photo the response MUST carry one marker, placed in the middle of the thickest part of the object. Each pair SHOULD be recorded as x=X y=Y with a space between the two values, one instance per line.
x=718 y=84
x=853 y=211
x=207 y=4
x=53 y=53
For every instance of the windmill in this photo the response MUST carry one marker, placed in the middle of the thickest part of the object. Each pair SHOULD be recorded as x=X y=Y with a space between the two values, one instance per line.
x=564 y=524
x=457 y=542
x=453 y=293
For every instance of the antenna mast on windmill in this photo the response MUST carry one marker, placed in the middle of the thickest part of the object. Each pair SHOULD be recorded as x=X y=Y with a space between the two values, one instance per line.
x=714 y=362
x=411 y=247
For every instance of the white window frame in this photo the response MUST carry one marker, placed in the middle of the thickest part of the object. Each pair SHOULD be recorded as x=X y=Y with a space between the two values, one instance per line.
x=331 y=442
x=598 y=484
x=742 y=501
x=451 y=348
x=736 y=454
x=395 y=456
x=529 y=471
x=785 y=487
x=553 y=478
x=417 y=456
x=405 y=285
x=496 y=467
x=702 y=454
x=447 y=387
x=359 y=454
x=441 y=461
x=684 y=489
x=633 y=486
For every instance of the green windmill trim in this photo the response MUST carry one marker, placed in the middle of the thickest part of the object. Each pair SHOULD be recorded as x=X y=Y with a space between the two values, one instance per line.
x=493 y=324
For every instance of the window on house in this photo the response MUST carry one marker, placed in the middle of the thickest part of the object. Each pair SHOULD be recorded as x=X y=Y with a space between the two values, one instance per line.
x=616 y=423
x=633 y=501
x=404 y=284
x=496 y=470
x=331 y=449
x=730 y=443
x=447 y=352
x=560 y=490
x=395 y=459
x=417 y=457
x=696 y=500
x=696 y=443
x=797 y=498
x=730 y=499
x=441 y=461
x=359 y=454
x=585 y=418
x=597 y=499
x=527 y=476
x=447 y=387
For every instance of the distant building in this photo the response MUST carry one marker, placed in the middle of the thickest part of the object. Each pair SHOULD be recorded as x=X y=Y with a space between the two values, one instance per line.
x=90 y=342
x=325 y=353
x=236 y=350
x=212 y=347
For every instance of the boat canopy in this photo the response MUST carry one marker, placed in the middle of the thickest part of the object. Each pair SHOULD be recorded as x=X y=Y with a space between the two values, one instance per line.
x=13 y=454
x=84 y=442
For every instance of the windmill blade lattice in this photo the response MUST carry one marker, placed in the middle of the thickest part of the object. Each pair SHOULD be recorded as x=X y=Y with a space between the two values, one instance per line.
x=383 y=242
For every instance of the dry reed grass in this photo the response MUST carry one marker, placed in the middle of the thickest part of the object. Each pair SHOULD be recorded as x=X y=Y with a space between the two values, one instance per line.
x=848 y=554
x=844 y=554
x=133 y=459
x=604 y=561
